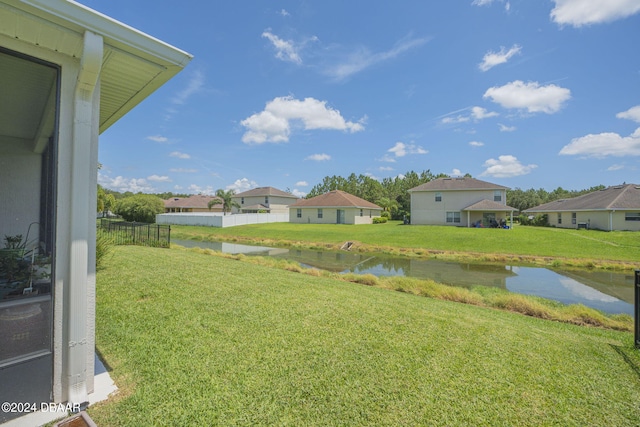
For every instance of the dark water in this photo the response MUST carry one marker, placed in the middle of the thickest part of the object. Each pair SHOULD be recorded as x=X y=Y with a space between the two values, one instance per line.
x=606 y=291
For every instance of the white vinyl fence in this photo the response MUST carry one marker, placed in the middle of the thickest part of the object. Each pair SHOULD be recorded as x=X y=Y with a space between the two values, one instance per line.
x=219 y=220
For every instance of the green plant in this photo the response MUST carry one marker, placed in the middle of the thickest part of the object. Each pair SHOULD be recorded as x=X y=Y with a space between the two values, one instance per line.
x=104 y=245
x=379 y=219
x=140 y=208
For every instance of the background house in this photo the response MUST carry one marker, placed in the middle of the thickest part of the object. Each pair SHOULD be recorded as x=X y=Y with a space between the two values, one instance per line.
x=263 y=199
x=67 y=73
x=459 y=201
x=334 y=207
x=612 y=208
x=195 y=203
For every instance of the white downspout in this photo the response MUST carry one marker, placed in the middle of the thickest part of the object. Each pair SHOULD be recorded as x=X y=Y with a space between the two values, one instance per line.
x=83 y=132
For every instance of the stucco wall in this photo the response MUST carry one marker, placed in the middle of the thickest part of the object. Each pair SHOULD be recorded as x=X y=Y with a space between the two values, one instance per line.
x=277 y=204
x=330 y=215
x=597 y=220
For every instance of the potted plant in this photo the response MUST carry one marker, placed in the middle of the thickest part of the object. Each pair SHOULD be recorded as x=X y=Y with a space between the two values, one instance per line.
x=15 y=267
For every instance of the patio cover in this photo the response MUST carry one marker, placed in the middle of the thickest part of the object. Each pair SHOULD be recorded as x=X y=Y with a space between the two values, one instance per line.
x=487 y=206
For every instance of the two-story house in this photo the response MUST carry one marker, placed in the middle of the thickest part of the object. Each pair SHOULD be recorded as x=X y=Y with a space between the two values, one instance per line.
x=263 y=199
x=465 y=202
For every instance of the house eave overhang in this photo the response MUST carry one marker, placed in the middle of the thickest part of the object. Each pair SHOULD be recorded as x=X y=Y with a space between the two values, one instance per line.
x=134 y=64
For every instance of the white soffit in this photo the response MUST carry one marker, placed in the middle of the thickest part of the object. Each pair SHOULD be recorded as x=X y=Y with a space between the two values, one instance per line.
x=134 y=64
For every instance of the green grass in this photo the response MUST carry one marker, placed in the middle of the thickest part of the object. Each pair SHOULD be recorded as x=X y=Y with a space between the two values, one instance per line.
x=534 y=245
x=199 y=340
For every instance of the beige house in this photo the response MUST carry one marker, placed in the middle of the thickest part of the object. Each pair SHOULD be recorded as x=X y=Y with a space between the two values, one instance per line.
x=614 y=208
x=334 y=207
x=195 y=203
x=463 y=202
x=263 y=199
x=67 y=73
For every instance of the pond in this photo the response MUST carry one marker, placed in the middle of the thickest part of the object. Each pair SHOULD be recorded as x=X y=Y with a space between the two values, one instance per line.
x=607 y=291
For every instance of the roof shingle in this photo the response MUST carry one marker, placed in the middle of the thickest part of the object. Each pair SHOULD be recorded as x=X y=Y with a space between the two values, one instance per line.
x=463 y=183
x=626 y=196
x=335 y=199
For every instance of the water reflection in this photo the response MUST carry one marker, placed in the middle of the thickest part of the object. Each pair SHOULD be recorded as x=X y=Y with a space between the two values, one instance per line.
x=606 y=291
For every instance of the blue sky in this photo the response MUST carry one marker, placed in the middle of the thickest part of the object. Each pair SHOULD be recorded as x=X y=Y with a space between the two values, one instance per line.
x=283 y=93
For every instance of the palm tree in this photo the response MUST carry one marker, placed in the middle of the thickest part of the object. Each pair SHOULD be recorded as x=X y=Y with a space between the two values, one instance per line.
x=225 y=198
x=387 y=204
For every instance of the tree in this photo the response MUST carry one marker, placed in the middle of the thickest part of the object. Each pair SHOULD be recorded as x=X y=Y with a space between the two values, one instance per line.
x=387 y=205
x=140 y=208
x=225 y=198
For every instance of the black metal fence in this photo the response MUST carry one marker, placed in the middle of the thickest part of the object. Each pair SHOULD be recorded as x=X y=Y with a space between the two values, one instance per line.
x=137 y=233
x=637 y=309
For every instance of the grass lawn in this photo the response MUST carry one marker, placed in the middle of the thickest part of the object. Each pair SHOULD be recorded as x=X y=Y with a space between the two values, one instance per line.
x=194 y=339
x=538 y=245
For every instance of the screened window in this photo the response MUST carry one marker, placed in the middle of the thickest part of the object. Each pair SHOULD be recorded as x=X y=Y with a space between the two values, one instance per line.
x=319 y=213
x=266 y=199
x=299 y=213
x=497 y=196
x=574 y=218
x=438 y=197
x=361 y=212
x=559 y=218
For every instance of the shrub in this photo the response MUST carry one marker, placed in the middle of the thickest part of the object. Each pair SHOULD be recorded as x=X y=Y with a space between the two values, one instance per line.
x=385 y=214
x=140 y=208
x=540 y=220
x=379 y=220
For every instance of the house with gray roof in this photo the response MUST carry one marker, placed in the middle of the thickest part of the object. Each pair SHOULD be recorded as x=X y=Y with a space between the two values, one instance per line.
x=463 y=202
x=334 y=207
x=263 y=199
x=612 y=208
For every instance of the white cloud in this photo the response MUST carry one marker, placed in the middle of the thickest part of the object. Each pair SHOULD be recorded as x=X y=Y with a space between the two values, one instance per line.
x=400 y=149
x=491 y=59
x=506 y=167
x=283 y=12
x=183 y=170
x=456 y=172
x=193 y=86
x=273 y=124
x=298 y=193
x=319 y=157
x=476 y=143
x=479 y=113
x=242 y=184
x=179 y=155
x=122 y=184
x=632 y=113
x=615 y=167
x=604 y=144
x=363 y=58
x=158 y=178
x=507 y=5
x=385 y=169
x=196 y=189
x=529 y=96
x=387 y=158
x=585 y=12
x=505 y=128
x=285 y=49
x=301 y=184
x=158 y=138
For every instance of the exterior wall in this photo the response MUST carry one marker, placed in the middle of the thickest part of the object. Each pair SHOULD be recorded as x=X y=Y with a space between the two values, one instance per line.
x=277 y=204
x=81 y=204
x=425 y=210
x=330 y=215
x=21 y=203
x=218 y=219
x=216 y=208
x=597 y=220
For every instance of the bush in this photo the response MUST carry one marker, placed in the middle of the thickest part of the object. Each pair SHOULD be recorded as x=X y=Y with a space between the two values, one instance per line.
x=379 y=220
x=140 y=208
x=386 y=214
x=540 y=220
